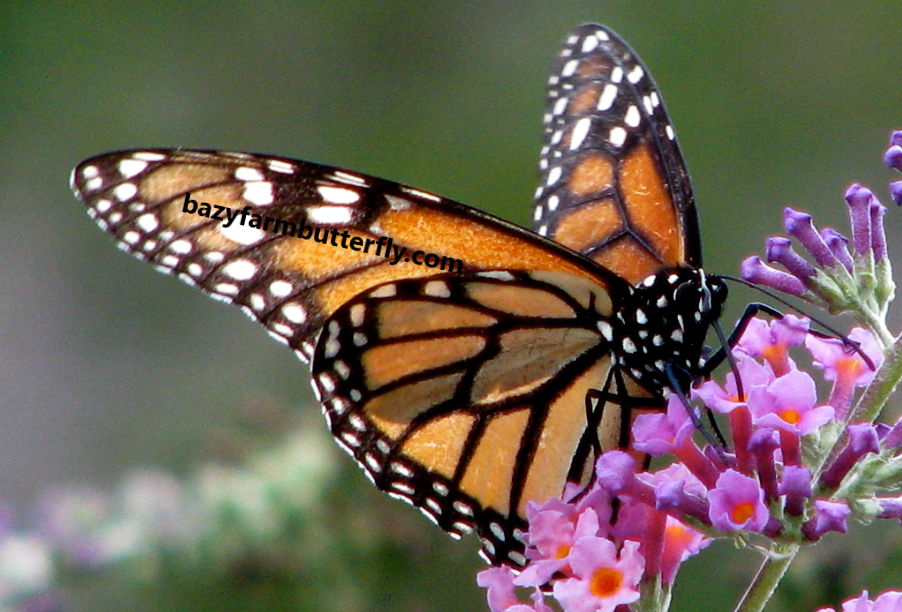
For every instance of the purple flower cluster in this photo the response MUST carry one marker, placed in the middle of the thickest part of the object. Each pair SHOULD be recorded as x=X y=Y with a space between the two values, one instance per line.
x=595 y=557
x=836 y=279
x=796 y=467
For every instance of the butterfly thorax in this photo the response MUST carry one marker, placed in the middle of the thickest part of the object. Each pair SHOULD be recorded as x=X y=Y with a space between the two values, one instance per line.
x=662 y=325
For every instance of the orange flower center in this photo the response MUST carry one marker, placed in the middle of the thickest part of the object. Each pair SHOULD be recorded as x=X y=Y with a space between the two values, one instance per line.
x=743 y=512
x=605 y=582
x=849 y=367
x=791 y=415
x=562 y=551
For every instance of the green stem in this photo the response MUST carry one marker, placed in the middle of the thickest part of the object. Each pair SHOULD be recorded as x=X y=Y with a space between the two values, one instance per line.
x=882 y=387
x=769 y=575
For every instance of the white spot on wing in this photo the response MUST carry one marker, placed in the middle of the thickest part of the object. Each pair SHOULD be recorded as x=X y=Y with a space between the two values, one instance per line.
x=147 y=222
x=329 y=215
x=131 y=167
x=246 y=173
x=125 y=192
x=259 y=193
x=338 y=195
x=617 y=136
x=240 y=269
x=632 y=118
x=607 y=97
x=242 y=234
x=580 y=131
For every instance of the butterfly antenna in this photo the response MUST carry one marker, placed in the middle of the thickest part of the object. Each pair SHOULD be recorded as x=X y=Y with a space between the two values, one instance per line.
x=677 y=388
x=832 y=331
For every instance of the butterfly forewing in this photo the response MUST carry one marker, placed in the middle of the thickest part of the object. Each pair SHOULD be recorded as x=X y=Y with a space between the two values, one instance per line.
x=465 y=394
x=613 y=184
x=292 y=284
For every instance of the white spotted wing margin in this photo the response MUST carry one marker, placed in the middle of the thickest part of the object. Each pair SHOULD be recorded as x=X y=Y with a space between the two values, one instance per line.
x=465 y=395
x=288 y=284
x=604 y=119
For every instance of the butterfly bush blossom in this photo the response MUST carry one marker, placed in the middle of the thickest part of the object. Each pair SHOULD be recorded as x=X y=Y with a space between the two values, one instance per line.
x=800 y=464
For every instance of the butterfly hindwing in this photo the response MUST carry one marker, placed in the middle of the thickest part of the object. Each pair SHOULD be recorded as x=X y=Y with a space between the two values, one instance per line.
x=613 y=184
x=465 y=395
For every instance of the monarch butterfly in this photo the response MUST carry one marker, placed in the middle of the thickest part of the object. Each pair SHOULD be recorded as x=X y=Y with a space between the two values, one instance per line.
x=465 y=393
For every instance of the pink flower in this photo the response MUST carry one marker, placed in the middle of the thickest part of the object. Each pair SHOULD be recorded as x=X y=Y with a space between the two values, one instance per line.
x=788 y=404
x=737 y=503
x=772 y=341
x=844 y=366
x=657 y=434
x=891 y=601
x=553 y=531
x=602 y=580
x=501 y=593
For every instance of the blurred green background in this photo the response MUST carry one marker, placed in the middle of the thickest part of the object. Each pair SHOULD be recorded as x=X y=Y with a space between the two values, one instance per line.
x=106 y=365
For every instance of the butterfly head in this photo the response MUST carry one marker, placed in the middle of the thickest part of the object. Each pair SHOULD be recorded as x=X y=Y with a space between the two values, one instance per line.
x=664 y=322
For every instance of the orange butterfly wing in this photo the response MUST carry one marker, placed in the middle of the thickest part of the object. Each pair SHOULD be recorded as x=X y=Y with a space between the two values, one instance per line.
x=613 y=184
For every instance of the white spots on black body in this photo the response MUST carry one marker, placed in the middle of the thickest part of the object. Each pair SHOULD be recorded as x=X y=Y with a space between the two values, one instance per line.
x=606 y=330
